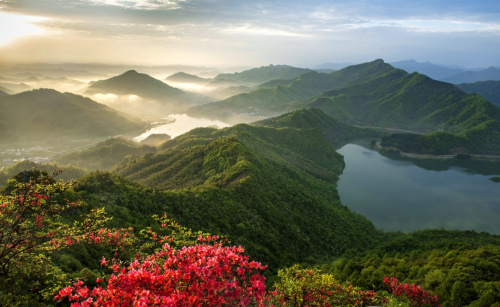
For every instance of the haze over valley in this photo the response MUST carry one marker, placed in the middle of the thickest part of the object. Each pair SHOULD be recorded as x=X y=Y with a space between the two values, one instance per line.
x=249 y=153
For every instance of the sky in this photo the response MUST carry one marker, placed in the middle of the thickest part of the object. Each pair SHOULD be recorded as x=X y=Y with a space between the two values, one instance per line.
x=217 y=33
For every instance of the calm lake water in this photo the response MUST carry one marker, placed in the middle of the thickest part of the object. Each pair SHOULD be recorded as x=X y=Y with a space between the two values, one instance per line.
x=178 y=124
x=399 y=195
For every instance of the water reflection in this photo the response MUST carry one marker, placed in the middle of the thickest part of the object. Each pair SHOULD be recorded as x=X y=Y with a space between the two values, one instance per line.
x=178 y=124
x=397 y=194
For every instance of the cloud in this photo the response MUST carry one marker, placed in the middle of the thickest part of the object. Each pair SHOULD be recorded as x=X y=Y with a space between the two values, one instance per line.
x=141 y=4
x=258 y=31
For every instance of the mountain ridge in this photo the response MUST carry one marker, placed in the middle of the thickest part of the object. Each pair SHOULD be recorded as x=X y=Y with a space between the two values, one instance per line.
x=49 y=113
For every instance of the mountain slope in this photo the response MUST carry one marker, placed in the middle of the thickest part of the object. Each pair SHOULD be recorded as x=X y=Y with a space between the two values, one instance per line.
x=134 y=83
x=155 y=97
x=46 y=113
x=491 y=73
x=279 y=96
x=263 y=74
x=488 y=89
x=436 y=72
x=271 y=190
x=332 y=129
x=407 y=101
x=183 y=77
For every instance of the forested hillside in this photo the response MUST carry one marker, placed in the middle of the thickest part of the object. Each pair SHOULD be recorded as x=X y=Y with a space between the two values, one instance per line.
x=278 y=96
x=271 y=190
x=45 y=113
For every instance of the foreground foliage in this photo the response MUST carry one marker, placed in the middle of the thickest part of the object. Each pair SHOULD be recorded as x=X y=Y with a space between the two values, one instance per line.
x=33 y=224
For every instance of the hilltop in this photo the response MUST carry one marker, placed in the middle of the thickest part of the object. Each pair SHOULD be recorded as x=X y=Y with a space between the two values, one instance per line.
x=154 y=97
x=278 y=96
x=262 y=74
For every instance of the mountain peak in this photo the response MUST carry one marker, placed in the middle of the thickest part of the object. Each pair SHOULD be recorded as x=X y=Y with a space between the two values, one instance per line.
x=131 y=72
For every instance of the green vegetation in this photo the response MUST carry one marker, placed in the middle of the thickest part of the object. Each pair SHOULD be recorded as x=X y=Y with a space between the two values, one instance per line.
x=106 y=154
x=460 y=267
x=262 y=74
x=45 y=114
x=269 y=187
x=70 y=173
x=240 y=181
x=275 y=97
x=436 y=143
x=495 y=179
x=332 y=129
x=488 y=89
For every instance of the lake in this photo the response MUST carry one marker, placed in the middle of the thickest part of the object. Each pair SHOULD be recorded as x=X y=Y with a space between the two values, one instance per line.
x=177 y=124
x=399 y=195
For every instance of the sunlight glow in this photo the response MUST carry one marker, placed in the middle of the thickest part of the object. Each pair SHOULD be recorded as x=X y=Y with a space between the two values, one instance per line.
x=18 y=26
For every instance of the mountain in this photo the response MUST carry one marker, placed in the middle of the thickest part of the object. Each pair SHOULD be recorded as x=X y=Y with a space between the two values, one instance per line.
x=263 y=74
x=333 y=66
x=279 y=96
x=3 y=91
x=269 y=189
x=416 y=102
x=106 y=154
x=155 y=97
x=134 y=83
x=434 y=71
x=46 y=113
x=156 y=139
x=183 y=77
x=491 y=73
x=332 y=129
x=488 y=89
x=397 y=99
x=13 y=88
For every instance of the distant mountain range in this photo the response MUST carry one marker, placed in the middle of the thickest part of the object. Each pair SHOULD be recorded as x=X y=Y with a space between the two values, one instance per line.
x=46 y=113
x=490 y=74
x=262 y=74
x=449 y=74
x=134 y=83
x=226 y=85
x=436 y=72
x=278 y=96
x=183 y=77
x=488 y=89
x=162 y=99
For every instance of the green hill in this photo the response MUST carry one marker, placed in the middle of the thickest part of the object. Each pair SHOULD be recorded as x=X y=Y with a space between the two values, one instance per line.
x=278 y=96
x=263 y=74
x=158 y=98
x=415 y=102
x=332 y=129
x=134 y=83
x=271 y=190
x=45 y=114
x=106 y=154
x=186 y=78
x=488 y=89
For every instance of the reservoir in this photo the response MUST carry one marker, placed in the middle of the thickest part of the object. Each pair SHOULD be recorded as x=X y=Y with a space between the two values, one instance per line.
x=177 y=124
x=405 y=195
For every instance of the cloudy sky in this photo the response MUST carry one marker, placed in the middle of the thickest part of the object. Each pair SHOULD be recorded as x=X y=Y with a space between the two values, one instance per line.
x=303 y=33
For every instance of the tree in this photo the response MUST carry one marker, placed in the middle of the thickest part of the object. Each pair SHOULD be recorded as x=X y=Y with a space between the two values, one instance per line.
x=34 y=221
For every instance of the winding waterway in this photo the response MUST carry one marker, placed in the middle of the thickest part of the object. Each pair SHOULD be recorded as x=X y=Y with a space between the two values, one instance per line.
x=398 y=195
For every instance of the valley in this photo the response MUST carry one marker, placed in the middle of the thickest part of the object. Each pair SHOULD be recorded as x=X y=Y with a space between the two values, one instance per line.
x=282 y=167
